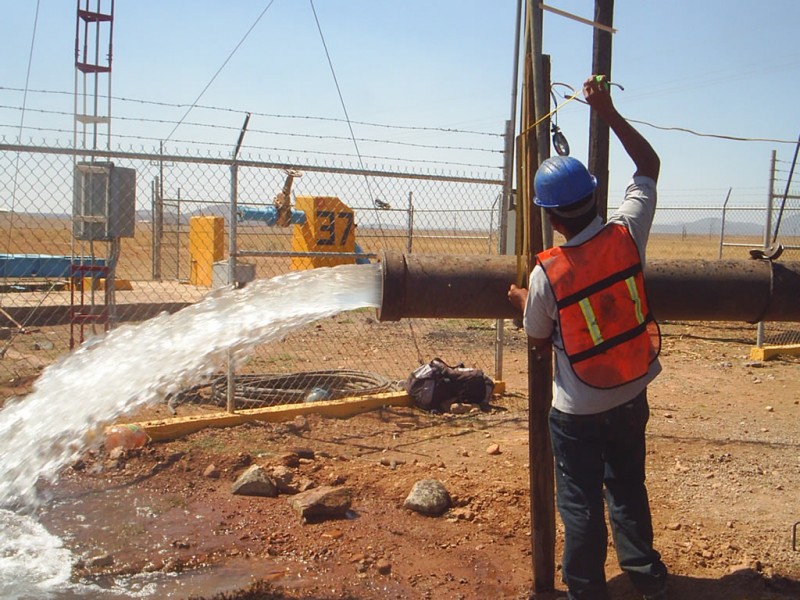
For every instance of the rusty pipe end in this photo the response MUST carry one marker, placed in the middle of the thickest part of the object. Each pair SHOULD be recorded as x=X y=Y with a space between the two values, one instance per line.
x=393 y=285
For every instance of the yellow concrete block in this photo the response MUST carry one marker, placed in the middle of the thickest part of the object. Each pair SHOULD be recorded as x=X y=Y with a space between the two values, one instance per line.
x=206 y=246
x=768 y=352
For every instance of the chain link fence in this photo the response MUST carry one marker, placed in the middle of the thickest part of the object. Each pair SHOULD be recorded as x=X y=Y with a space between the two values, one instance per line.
x=782 y=227
x=731 y=229
x=65 y=280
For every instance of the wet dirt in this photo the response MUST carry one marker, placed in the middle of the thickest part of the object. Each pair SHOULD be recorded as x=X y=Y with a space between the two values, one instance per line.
x=723 y=475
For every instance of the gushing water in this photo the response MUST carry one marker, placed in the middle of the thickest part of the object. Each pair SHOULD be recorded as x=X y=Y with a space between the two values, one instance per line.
x=134 y=366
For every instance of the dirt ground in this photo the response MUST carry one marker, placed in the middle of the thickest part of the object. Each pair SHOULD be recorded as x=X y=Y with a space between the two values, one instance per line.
x=723 y=478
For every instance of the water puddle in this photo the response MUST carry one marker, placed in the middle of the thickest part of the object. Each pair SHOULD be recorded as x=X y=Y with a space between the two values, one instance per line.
x=132 y=367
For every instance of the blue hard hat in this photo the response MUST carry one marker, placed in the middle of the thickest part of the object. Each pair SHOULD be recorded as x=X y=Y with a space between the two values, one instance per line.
x=561 y=181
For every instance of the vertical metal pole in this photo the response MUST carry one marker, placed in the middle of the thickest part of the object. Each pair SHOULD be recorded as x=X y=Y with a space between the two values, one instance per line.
x=599 y=134
x=410 y=239
x=96 y=109
x=178 y=238
x=722 y=227
x=85 y=75
x=495 y=205
x=110 y=53
x=232 y=251
x=786 y=193
x=156 y=225
x=231 y=391
x=508 y=149
x=508 y=174
x=768 y=230
x=505 y=209
x=541 y=96
x=770 y=198
x=160 y=188
x=508 y=180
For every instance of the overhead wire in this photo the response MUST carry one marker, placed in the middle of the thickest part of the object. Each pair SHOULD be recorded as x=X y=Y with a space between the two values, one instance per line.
x=188 y=110
x=712 y=135
x=355 y=143
x=574 y=96
x=21 y=124
x=341 y=97
x=12 y=210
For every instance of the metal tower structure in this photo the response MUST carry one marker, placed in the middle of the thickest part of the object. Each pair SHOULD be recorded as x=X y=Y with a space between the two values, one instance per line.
x=94 y=33
x=92 y=194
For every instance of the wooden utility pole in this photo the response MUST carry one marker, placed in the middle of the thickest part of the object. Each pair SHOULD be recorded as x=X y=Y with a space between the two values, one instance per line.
x=533 y=236
x=540 y=396
x=598 y=129
x=534 y=148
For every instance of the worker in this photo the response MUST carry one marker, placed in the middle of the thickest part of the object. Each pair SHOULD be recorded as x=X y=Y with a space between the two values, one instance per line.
x=586 y=299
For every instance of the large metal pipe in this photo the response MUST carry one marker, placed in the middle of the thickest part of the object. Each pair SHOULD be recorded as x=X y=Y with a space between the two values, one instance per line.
x=461 y=286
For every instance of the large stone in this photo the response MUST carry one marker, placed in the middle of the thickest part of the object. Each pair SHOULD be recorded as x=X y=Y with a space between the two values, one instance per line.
x=322 y=502
x=428 y=496
x=255 y=482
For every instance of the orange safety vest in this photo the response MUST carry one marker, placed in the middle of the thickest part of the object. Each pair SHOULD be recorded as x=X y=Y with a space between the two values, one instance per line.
x=609 y=335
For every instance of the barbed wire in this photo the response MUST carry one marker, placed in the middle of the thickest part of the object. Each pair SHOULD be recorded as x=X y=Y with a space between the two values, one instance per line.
x=276 y=149
x=269 y=115
x=265 y=131
x=404 y=127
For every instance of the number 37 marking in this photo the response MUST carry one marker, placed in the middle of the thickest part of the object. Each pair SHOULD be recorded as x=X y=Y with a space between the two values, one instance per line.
x=328 y=226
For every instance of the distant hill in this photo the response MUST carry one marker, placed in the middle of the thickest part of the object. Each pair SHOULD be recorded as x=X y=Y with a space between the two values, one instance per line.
x=710 y=226
x=790 y=225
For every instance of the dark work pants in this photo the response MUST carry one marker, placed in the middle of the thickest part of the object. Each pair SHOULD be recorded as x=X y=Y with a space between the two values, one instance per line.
x=593 y=451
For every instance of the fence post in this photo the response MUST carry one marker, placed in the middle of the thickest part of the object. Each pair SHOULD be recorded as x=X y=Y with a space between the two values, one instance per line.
x=231 y=390
x=722 y=225
x=410 y=238
x=156 y=224
x=767 y=232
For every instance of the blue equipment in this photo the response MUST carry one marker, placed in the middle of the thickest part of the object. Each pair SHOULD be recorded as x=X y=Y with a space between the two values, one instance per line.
x=269 y=215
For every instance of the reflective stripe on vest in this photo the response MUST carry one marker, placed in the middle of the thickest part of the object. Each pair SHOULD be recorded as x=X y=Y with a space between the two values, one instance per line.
x=591 y=322
x=609 y=335
x=637 y=301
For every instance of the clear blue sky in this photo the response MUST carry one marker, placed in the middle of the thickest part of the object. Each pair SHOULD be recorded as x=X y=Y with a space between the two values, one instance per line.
x=712 y=66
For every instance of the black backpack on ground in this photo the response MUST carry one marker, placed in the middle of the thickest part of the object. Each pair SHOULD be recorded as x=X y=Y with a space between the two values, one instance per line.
x=436 y=385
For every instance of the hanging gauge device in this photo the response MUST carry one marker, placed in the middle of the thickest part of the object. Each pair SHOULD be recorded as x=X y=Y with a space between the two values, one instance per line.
x=560 y=142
